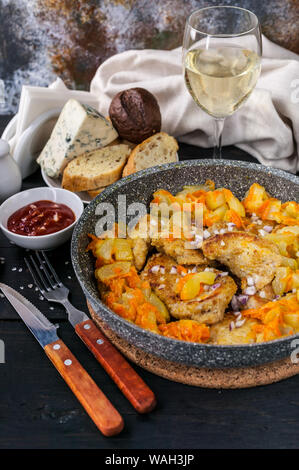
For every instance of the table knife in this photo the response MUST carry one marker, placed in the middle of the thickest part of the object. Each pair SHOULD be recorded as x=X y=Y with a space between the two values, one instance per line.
x=120 y=371
x=96 y=404
x=117 y=367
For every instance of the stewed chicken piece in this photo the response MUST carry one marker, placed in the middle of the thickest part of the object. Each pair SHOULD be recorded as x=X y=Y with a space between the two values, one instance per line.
x=246 y=255
x=196 y=293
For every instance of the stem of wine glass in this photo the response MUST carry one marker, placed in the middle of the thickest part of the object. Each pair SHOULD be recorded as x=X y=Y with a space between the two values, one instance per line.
x=219 y=125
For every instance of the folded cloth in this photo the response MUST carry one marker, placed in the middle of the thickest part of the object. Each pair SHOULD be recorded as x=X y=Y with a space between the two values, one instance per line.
x=35 y=101
x=266 y=126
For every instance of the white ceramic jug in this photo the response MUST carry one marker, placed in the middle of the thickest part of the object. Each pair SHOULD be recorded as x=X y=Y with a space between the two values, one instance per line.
x=10 y=175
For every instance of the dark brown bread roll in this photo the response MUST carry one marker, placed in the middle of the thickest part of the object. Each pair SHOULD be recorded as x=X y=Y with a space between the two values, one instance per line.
x=135 y=114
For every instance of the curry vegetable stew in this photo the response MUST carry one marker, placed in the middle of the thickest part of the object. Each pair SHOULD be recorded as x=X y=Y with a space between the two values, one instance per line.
x=234 y=282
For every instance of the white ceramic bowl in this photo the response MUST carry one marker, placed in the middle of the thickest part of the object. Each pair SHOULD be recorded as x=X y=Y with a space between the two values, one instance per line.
x=32 y=141
x=44 y=242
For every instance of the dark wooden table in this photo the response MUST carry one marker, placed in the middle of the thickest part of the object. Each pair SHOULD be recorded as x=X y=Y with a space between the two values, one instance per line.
x=37 y=410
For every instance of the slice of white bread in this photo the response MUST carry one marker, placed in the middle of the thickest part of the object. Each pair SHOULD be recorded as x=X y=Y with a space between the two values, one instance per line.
x=95 y=169
x=130 y=144
x=156 y=150
x=122 y=141
x=95 y=192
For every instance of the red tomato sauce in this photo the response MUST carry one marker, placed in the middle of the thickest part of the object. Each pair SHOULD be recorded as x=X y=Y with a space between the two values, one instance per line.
x=40 y=218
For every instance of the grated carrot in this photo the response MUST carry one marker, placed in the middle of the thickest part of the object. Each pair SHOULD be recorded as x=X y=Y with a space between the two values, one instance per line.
x=234 y=218
x=186 y=330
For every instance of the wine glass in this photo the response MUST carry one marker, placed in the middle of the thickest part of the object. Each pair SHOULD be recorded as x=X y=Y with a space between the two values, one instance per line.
x=222 y=52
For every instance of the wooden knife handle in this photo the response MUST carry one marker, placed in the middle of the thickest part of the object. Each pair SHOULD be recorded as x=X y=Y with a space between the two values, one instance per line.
x=121 y=372
x=96 y=404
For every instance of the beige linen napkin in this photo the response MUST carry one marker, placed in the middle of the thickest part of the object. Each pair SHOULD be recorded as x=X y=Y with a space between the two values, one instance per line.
x=267 y=126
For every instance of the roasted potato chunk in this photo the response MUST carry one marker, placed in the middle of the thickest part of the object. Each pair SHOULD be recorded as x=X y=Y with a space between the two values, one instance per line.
x=110 y=271
x=154 y=300
x=226 y=332
x=123 y=250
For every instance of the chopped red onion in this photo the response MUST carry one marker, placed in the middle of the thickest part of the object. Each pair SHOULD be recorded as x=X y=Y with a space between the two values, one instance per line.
x=154 y=269
x=268 y=228
x=216 y=286
x=250 y=281
x=243 y=299
x=250 y=290
x=235 y=303
x=262 y=233
x=222 y=275
x=206 y=234
x=237 y=314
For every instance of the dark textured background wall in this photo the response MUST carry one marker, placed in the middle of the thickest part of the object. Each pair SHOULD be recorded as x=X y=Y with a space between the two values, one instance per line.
x=40 y=39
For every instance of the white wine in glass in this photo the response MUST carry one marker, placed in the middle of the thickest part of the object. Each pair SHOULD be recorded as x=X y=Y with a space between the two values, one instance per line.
x=222 y=61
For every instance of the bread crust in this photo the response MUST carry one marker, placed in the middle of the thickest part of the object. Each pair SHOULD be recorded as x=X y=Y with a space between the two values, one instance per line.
x=130 y=167
x=82 y=182
x=95 y=192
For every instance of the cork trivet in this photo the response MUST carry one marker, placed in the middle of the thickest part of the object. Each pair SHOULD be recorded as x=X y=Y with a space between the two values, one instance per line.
x=201 y=377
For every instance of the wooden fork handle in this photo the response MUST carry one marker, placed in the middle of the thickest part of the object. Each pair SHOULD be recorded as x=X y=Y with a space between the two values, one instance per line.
x=121 y=372
x=96 y=404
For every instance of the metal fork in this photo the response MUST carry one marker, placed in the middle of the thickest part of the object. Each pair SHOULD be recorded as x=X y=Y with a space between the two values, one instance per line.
x=51 y=287
x=121 y=372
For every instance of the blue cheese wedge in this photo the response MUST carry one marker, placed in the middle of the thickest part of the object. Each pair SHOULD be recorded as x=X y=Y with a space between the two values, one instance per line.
x=79 y=129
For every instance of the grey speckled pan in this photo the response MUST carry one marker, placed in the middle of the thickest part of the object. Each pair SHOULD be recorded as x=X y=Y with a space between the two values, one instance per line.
x=237 y=176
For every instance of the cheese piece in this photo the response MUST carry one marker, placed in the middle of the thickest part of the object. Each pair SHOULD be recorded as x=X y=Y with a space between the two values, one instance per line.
x=79 y=129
